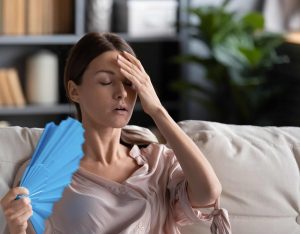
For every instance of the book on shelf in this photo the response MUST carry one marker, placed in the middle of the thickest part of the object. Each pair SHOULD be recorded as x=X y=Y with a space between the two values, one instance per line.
x=48 y=13
x=19 y=17
x=1 y=96
x=1 y=16
x=10 y=88
x=15 y=87
x=7 y=14
x=13 y=17
x=36 y=17
x=5 y=90
x=63 y=17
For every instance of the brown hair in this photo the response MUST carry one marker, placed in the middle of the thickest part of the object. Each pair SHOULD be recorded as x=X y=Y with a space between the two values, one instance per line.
x=90 y=46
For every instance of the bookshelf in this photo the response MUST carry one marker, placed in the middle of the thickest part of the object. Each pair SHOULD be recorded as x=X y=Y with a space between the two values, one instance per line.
x=39 y=40
x=72 y=39
x=155 y=52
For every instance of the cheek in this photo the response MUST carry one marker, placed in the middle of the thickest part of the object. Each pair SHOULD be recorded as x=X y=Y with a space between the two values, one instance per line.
x=90 y=96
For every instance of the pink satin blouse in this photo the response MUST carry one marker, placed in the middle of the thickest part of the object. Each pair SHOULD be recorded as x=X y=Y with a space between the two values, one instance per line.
x=152 y=200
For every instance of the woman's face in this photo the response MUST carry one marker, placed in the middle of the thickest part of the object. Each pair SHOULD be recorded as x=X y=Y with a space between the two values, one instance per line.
x=105 y=96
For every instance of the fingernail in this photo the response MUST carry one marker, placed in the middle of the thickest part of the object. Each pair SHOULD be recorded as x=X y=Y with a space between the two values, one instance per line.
x=27 y=200
x=26 y=190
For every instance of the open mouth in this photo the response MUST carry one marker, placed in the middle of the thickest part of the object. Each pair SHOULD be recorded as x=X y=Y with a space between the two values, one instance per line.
x=121 y=109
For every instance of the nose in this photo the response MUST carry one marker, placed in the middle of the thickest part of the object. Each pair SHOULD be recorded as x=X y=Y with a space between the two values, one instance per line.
x=120 y=92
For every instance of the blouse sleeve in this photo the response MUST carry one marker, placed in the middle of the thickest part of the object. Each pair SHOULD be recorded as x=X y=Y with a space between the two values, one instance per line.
x=181 y=208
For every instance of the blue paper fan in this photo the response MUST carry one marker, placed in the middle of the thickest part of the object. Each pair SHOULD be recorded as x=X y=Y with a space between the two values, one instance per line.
x=55 y=159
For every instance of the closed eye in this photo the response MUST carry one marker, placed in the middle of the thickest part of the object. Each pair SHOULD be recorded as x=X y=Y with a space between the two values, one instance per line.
x=105 y=83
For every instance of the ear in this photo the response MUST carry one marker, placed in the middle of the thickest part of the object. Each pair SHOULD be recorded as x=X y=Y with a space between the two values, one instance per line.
x=73 y=91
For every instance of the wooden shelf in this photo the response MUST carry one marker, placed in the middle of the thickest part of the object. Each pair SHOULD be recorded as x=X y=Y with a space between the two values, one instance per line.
x=38 y=39
x=60 y=109
x=38 y=110
x=72 y=39
x=130 y=38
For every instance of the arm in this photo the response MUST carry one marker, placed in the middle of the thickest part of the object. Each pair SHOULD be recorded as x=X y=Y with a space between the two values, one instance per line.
x=203 y=185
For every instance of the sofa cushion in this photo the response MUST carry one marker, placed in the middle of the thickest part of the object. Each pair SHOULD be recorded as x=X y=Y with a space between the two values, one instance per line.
x=16 y=146
x=257 y=166
x=259 y=171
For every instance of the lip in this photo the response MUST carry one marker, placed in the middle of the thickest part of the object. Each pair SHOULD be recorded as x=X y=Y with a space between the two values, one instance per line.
x=121 y=108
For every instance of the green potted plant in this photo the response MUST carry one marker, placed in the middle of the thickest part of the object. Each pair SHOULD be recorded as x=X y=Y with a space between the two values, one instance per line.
x=241 y=53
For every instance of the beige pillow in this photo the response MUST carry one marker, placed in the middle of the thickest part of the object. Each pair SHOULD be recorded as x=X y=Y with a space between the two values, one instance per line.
x=259 y=171
x=16 y=145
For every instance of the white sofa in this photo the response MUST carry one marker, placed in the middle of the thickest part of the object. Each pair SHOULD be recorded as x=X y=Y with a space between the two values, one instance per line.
x=258 y=168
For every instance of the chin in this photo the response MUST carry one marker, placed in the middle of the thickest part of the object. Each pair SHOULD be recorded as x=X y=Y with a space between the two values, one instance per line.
x=107 y=122
x=120 y=123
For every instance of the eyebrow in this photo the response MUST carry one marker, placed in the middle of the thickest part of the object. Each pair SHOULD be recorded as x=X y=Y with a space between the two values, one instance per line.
x=105 y=71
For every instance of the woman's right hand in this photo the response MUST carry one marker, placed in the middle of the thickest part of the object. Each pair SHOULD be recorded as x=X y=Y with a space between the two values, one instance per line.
x=17 y=212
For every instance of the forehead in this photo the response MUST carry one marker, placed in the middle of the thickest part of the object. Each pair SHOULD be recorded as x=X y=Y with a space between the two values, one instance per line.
x=107 y=58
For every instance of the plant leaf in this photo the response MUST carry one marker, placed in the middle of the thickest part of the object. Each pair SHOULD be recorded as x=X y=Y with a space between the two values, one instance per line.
x=253 y=56
x=253 y=21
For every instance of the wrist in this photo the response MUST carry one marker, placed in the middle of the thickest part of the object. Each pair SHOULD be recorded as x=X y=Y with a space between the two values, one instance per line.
x=158 y=112
x=17 y=231
x=13 y=229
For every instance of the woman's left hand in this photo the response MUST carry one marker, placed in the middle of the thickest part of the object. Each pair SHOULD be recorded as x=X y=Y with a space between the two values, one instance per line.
x=133 y=70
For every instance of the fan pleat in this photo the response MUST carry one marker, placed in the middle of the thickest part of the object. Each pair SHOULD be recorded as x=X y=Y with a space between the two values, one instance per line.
x=56 y=157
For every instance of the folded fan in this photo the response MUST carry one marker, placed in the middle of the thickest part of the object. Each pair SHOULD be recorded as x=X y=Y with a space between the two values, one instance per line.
x=56 y=157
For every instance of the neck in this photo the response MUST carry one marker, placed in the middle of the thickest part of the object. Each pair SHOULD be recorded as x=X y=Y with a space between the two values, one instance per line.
x=102 y=146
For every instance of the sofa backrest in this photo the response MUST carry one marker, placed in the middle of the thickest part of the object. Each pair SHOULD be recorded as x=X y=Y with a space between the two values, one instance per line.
x=259 y=171
x=257 y=166
x=16 y=146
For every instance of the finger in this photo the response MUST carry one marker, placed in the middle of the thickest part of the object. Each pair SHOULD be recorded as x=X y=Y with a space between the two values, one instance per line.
x=12 y=215
x=129 y=65
x=26 y=215
x=12 y=194
x=134 y=60
x=17 y=207
x=22 y=218
x=19 y=191
x=130 y=68
x=130 y=77
x=19 y=204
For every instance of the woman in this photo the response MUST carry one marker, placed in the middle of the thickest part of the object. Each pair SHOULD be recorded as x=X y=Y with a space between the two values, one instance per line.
x=120 y=188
